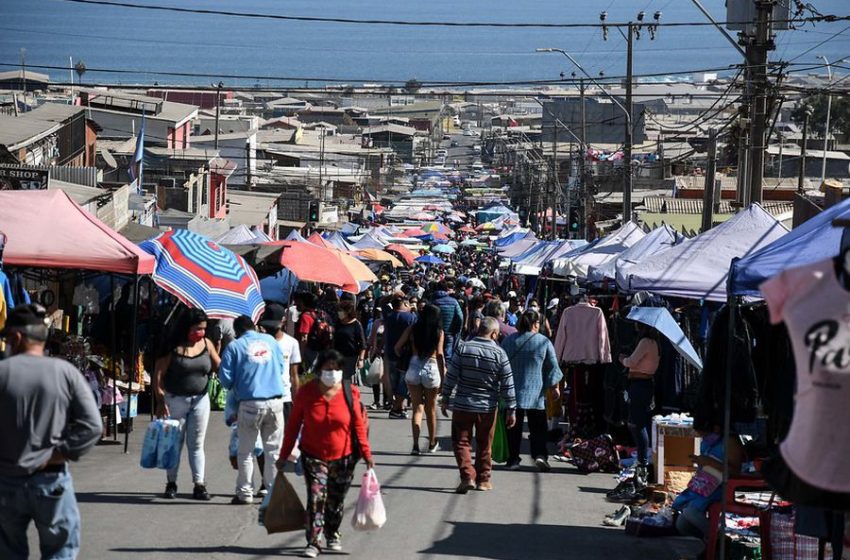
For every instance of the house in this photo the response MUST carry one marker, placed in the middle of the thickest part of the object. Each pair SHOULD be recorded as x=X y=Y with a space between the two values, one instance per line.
x=238 y=147
x=23 y=80
x=120 y=114
x=51 y=134
x=205 y=99
x=330 y=115
x=401 y=139
x=285 y=107
x=253 y=209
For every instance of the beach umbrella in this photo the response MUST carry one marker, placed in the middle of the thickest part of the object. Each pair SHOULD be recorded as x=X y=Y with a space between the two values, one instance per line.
x=311 y=263
x=204 y=275
x=661 y=320
x=423 y=216
x=377 y=255
x=360 y=271
x=430 y=259
x=443 y=249
x=469 y=243
x=467 y=229
x=401 y=252
x=414 y=232
x=317 y=239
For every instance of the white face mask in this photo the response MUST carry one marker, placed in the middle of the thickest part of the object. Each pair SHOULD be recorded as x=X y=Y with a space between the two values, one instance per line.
x=534 y=308
x=331 y=377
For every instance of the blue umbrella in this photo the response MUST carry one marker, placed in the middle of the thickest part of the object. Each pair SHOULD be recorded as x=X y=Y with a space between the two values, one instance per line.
x=442 y=249
x=661 y=320
x=204 y=275
x=430 y=259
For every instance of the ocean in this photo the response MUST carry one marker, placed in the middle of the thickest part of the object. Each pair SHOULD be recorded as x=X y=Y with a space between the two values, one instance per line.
x=274 y=52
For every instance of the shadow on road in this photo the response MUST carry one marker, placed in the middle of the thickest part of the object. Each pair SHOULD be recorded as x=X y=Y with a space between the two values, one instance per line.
x=552 y=542
x=141 y=498
x=256 y=552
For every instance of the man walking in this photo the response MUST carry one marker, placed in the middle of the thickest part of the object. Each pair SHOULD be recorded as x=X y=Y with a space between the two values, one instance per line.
x=48 y=417
x=395 y=323
x=252 y=367
x=481 y=373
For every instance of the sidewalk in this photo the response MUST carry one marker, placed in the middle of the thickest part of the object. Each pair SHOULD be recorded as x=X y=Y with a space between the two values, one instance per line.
x=528 y=515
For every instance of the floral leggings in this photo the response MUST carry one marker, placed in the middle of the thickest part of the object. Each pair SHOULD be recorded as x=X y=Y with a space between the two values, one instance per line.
x=327 y=484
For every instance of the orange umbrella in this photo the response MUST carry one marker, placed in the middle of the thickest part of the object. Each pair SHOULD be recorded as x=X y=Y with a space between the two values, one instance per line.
x=357 y=269
x=413 y=232
x=378 y=256
x=312 y=263
x=403 y=253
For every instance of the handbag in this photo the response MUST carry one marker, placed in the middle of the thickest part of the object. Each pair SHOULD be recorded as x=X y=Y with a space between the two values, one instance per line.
x=284 y=512
x=596 y=455
x=779 y=539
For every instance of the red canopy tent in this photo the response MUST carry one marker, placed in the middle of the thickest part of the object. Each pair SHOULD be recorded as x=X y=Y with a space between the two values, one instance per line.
x=46 y=229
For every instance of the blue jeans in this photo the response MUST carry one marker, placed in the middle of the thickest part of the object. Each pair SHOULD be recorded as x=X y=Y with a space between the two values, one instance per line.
x=449 y=342
x=47 y=498
x=196 y=412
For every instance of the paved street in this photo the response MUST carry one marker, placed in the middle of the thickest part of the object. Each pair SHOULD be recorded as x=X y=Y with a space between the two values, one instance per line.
x=528 y=515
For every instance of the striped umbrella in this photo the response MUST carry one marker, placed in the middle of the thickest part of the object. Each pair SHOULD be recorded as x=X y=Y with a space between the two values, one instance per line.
x=204 y=275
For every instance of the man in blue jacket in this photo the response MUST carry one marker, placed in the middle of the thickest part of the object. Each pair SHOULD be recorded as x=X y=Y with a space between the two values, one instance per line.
x=251 y=367
x=451 y=315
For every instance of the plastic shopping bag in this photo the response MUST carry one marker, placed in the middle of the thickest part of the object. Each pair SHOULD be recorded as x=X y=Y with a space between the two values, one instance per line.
x=150 y=445
x=283 y=512
x=168 y=446
x=376 y=370
x=217 y=394
x=369 y=514
x=499 y=450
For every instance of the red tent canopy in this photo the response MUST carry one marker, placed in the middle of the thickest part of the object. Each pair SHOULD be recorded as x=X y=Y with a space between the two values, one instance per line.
x=46 y=229
x=317 y=239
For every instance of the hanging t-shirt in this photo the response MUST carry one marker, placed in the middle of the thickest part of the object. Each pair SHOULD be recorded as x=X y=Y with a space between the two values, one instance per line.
x=816 y=310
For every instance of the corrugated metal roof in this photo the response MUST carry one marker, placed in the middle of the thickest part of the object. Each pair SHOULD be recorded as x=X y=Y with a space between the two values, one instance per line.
x=30 y=75
x=16 y=132
x=55 y=112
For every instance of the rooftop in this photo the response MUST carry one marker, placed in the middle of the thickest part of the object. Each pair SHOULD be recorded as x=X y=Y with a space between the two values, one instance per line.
x=17 y=132
x=249 y=208
x=55 y=112
x=115 y=101
x=30 y=75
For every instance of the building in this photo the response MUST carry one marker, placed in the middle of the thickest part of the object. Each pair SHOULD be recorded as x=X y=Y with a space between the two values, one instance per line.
x=205 y=99
x=238 y=147
x=119 y=115
x=254 y=209
x=24 y=80
x=401 y=139
x=52 y=134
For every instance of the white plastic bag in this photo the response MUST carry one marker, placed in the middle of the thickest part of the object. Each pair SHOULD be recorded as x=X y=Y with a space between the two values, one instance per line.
x=376 y=370
x=369 y=514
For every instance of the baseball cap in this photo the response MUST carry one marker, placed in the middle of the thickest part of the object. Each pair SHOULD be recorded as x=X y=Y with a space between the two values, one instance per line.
x=272 y=316
x=25 y=318
x=553 y=303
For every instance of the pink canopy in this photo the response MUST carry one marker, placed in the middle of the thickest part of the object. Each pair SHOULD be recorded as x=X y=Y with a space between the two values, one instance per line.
x=46 y=229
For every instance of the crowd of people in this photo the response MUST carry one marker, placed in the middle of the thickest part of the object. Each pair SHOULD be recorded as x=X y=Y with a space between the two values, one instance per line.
x=454 y=338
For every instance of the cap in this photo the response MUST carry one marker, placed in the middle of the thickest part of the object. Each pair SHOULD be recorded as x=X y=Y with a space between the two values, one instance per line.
x=25 y=318
x=511 y=294
x=553 y=303
x=272 y=316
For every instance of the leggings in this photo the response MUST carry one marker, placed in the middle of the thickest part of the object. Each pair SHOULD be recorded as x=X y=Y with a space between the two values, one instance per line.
x=327 y=484
x=641 y=392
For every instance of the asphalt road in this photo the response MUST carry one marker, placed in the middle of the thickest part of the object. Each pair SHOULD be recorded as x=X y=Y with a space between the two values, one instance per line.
x=463 y=152
x=527 y=515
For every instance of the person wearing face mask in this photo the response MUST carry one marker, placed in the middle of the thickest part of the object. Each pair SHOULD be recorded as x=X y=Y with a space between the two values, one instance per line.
x=181 y=379
x=545 y=327
x=333 y=439
x=48 y=417
x=349 y=339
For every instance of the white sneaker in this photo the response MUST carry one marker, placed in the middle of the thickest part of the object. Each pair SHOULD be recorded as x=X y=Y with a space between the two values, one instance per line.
x=334 y=545
x=310 y=552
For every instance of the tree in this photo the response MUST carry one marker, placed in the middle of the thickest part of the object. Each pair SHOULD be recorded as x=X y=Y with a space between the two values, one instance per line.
x=412 y=85
x=839 y=121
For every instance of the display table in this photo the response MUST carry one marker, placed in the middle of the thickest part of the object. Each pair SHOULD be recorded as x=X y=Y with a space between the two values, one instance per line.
x=673 y=442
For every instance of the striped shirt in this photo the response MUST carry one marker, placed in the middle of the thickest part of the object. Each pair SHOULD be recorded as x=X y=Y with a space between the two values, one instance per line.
x=480 y=372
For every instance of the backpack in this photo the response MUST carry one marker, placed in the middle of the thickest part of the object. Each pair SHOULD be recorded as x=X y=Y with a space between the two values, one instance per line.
x=321 y=333
x=349 y=400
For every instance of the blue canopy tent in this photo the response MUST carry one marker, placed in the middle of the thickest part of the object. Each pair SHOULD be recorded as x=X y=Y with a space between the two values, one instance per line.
x=494 y=211
x=337 y=240
x=430 y=259
x=815 y=240
x=513 y=237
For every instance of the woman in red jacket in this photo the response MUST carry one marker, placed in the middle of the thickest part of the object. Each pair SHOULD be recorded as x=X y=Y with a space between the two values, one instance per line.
x=329 y=451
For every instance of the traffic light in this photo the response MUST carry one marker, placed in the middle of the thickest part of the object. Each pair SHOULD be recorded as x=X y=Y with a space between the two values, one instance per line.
x=313 y=211
x=575 y=219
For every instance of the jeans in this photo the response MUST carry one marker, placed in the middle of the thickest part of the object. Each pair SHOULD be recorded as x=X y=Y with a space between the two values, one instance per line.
x=537 y=433
x=196 y=412
x=47 y=498
x=327 y=484
x=484 y=426
x=641 y=392
x=263 y=418
x=449 y=342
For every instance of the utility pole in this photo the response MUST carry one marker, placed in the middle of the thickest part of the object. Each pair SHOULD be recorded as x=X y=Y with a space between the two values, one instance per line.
x=708 y=194
x=217 y=111
x=762 y=43
x=24 y=76
x=582 y=165
x=248 y=164
x=627 y=148
x=556 y=186
x=802 y=175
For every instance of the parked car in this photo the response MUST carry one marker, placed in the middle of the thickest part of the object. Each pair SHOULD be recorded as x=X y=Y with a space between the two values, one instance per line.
x=453 y=144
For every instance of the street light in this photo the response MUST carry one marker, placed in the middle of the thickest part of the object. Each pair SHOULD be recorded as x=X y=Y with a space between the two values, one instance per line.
x=828 y=114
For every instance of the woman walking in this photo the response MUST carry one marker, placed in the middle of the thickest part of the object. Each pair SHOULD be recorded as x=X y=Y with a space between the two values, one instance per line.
x=376 y=350
x=642 y=364
x=333 y=439
x=535 y=368
x=425 y=373
x=349 y=339
x=181 y=378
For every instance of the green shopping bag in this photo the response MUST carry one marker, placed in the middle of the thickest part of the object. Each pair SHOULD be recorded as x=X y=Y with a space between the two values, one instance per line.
x=217 y=394
x=499 y=449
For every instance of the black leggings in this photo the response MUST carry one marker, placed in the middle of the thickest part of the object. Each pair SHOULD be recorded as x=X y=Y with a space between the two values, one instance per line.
x=537 y=432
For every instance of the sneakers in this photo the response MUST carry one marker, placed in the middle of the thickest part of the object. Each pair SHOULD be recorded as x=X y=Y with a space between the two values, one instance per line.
x=415 y=451
x=617 y=518
x=262 y=492
x=434 y=448
x=375 y=406
x=398 y=414
x=238 y=501
x=334 y=544
x=310 y=552
x=485 y=486
x=200 y=493
x=542 y=464
x=170 y=491
x=628 y=492
x=464 y=487
x=513 y=465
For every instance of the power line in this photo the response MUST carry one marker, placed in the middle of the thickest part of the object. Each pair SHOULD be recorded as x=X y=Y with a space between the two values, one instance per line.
x=516 y=25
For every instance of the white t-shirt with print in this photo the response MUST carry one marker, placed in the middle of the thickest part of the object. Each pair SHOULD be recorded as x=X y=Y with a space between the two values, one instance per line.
x=291 y=355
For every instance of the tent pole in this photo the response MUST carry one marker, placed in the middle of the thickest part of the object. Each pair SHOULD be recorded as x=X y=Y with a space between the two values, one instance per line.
x=114 y=358
x=134 y=350
x=154 y=347
x=733 y=303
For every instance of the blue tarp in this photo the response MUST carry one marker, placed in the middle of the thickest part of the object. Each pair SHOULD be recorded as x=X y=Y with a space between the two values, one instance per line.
x=814 y=241
x=513 y=238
